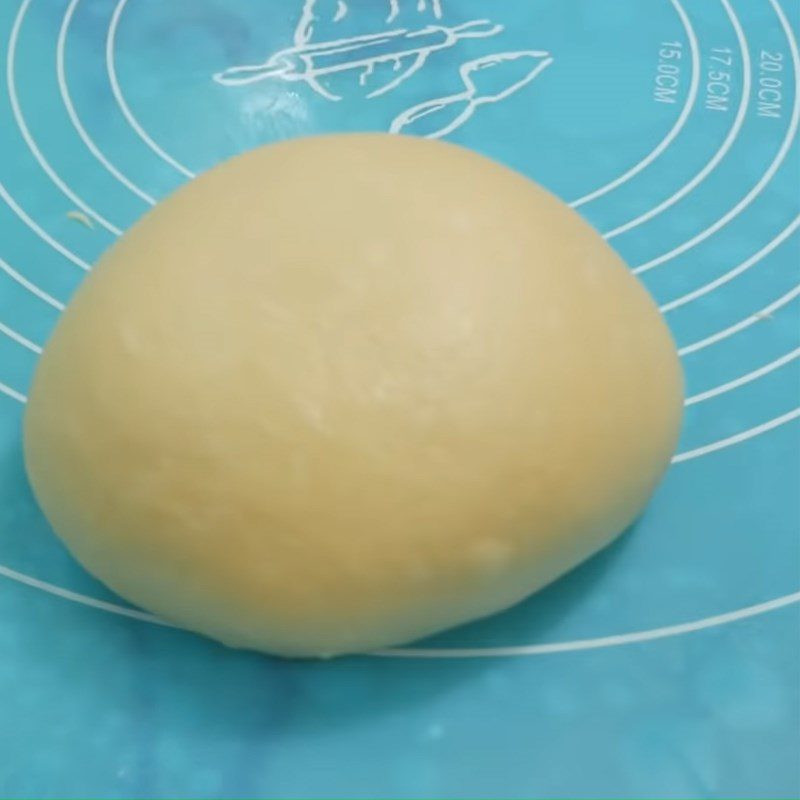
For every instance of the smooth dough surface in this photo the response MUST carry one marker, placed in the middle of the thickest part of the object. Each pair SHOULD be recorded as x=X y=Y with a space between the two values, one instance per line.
x=343 y=392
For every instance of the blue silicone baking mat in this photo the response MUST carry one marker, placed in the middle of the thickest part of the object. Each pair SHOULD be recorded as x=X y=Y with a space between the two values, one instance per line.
x=669 y=666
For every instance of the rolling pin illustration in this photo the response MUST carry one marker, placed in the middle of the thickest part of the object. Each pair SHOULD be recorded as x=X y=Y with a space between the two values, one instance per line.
x=407 y=50
x=501 y=75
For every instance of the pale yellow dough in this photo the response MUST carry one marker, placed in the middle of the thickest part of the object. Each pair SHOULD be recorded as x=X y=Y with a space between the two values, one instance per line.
x=343 y=392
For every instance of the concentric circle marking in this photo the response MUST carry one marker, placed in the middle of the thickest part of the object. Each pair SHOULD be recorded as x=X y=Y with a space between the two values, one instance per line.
x=743 y=324
x=31 y=287
x=765 y=178
x=729 y=441
x=616 y=640
x=600 y=642
x=723 y=150
x=66 y=98
x=25 y=131
x=20 y=212
x=14 y=395
x=123 y=105
x=683 y=117
x=736 y=271
x=723 y=388
x=77 y=597
x=20 y=339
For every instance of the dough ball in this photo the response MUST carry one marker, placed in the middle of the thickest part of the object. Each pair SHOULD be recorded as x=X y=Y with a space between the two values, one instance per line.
x=343 y=392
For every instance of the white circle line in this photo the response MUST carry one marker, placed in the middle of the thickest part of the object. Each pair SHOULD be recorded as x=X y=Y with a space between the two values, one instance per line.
x=82 y=599
x=30 y=286
x=41 y=232
x=758 y=316
x=729 y=141
x=410 y=652
x=119 y=97
x=736 y=271
x=665 y=143
x=66 y=98
x=765 y=178
x=743 y=379
x=12 y=393
x=722 y=444
x=16 y=110
x=600 y=642
x=20 y=339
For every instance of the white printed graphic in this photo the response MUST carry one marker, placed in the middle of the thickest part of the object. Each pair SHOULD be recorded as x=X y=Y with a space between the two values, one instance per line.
x=382 y=60
x=466 y=102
